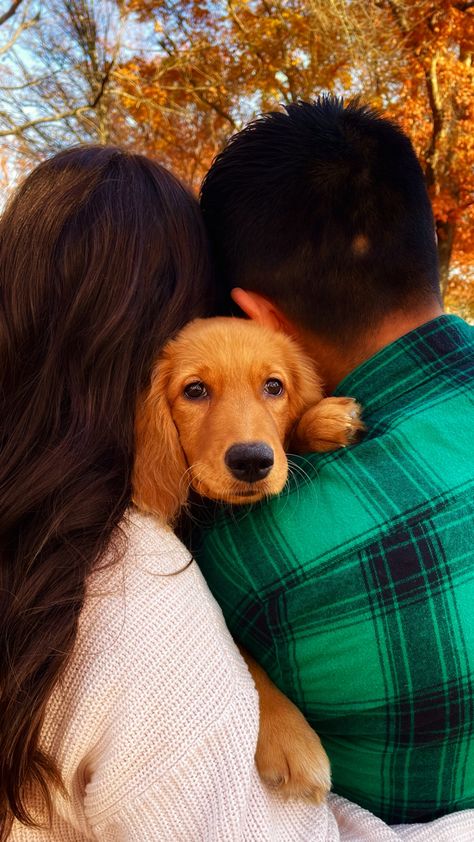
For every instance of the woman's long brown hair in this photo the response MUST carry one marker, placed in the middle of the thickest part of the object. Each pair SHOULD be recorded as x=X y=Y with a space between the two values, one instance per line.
x=102 y=257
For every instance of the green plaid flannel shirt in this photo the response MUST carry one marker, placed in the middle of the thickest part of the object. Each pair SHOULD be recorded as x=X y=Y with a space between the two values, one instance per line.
x=355 y=587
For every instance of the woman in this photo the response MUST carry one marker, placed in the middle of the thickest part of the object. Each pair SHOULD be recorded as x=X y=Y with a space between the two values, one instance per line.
x=126 y=712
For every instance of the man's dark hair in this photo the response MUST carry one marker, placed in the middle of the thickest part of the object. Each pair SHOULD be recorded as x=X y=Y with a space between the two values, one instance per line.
x=323 y=208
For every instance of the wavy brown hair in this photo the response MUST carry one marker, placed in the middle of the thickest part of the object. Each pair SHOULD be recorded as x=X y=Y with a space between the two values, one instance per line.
x=102 y=257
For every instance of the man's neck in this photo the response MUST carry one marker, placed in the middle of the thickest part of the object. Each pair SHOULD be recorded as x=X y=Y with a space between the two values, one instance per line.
x=335 y=362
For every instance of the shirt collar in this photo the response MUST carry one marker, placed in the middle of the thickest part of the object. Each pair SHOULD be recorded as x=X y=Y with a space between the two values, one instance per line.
x=407 y=362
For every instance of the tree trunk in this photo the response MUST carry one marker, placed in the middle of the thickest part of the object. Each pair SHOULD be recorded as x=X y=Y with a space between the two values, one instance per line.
x=446 y=232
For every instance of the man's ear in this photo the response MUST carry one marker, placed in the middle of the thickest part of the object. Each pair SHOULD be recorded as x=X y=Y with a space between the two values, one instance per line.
x=261 y=310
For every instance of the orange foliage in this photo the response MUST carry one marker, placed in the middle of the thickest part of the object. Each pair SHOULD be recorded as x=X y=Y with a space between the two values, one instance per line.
x=218 y=62
x=433 y=43
x=460 y=295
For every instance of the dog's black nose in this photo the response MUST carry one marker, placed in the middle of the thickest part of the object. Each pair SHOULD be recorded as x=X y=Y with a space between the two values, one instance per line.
x=249 y=461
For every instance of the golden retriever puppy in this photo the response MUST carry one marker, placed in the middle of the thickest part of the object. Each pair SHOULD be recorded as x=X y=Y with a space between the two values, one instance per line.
x=227 y=399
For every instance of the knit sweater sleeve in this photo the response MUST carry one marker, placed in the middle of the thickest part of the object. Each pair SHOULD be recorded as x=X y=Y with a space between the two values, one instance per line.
x=161 y=712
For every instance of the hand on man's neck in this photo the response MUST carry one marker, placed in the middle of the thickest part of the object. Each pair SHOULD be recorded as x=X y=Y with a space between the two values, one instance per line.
x=336 y=360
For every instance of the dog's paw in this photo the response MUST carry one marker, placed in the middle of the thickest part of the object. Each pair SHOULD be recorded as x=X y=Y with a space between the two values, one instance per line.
x=290 y=757
x=332 y=423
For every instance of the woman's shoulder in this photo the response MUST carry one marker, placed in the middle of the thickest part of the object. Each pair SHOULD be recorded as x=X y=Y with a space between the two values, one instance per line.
x=145 y=589
x=153 y=670
x=150 y=628
x=145 y=566
x=147 y=537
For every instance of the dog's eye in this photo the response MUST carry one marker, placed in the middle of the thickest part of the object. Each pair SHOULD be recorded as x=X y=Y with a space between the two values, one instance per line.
x=195 y=390
x=273 y=387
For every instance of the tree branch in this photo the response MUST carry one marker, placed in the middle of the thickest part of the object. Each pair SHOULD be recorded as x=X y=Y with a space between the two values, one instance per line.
x=10 y=12
x=41 y=121
x=26 y=24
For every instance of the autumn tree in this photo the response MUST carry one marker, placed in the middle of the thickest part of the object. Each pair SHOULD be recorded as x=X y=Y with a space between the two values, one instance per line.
x=55 y=76
x=209 y=67
x=14 y=21
x=176 y=79
x=217 y=64
x=416 y=62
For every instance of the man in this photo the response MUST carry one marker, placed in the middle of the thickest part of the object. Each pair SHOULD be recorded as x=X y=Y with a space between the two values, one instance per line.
x=355 y=588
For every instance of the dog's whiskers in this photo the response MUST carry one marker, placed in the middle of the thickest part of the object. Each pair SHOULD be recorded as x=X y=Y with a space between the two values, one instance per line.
x=186 y=480
x=295 y=469
x=302 y=478
x=185 y=485
x=298 y=468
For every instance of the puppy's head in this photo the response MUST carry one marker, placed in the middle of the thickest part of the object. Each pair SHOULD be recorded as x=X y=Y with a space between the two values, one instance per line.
x=223 y=400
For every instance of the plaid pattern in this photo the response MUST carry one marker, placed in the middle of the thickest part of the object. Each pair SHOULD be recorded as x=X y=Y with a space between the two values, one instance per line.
x=355 y=587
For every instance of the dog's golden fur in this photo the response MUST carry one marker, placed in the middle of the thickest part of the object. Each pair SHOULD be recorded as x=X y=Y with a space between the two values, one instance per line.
x=182 y=442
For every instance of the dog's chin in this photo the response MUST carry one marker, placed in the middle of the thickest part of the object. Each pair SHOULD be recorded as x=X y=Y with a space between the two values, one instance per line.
x=239 y=498
x=248 y=493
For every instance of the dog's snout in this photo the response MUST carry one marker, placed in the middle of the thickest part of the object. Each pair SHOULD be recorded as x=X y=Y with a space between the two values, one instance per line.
x=249 y=461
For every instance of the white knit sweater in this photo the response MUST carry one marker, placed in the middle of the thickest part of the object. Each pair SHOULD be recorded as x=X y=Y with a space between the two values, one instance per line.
x=155 y=720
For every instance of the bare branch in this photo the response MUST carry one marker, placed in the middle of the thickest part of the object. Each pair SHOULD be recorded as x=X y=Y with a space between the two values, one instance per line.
x=10 y=12
x=22 y=27
x=41 y=121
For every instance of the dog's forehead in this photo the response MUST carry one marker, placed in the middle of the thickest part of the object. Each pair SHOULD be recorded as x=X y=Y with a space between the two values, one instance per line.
x=230 y=347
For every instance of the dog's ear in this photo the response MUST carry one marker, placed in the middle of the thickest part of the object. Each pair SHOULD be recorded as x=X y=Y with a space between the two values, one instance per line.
x=307 y=385
x=160 y=463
